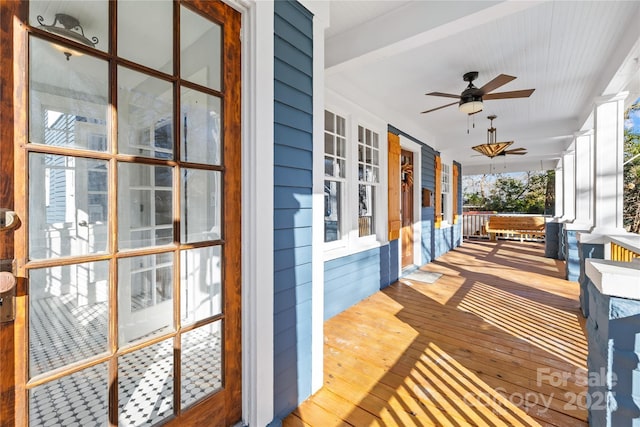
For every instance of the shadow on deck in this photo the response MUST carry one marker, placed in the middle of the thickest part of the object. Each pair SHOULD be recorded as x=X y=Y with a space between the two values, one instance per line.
x=498 y=340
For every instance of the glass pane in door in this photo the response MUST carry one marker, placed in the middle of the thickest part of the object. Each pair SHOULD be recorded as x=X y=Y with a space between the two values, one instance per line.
x=202 y=362
x=68 y=314
x=145 y=33
x=145 y=205
x=200 y=50
x=145 y=115
x=67 y=99
x=201 y=205
x=201 y=284
x=145 y=296
x=145 y=385
x=68 y=206
x=79 y=399
x=200 y=127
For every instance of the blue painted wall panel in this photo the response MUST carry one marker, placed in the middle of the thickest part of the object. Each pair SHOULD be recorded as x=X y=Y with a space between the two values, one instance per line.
x=292 y=77
x=295 y=57
x=293 y=181
x=294 y=36
x=289 y=116
x=291 y=177
x=284 y=279
x=298 y=17
x=285 y=135
x=292 y=157
x=292 y=197
x=289 y=297
x=288 y=258
x=352 y=278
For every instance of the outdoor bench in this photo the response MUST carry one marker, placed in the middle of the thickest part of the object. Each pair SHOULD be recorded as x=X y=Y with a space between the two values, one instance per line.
x=520 y=225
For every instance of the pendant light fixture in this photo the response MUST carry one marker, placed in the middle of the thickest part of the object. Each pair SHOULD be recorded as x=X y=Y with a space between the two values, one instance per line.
x=69 y=27
x=492 y=148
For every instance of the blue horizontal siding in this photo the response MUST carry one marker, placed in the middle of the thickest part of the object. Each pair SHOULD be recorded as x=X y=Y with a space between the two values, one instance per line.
x=288 y=258
x=298 y=17
x=289 y=116
x=292 y=177
x=350 y=279
x=284 y=135
x=286 y=31
x=292 y=77
x=292 y=157
x=293 y=218
x=295 y=57
x=292 y=197
x=298 y=274
x=289 y=297
x=292 y=238
x=293 y=185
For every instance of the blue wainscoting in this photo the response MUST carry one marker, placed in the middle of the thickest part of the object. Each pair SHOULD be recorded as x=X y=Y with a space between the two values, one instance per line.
x=293 y=182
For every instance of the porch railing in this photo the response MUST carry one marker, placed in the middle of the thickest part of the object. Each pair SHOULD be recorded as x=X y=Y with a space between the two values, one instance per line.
x=623 y=248
x=473 y=224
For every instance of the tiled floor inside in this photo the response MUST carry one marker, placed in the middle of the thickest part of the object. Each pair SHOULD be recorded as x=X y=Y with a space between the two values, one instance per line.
x=63 y=332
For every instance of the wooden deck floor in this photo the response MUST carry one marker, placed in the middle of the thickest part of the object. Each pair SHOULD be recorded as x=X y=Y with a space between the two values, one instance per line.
x=496 y=341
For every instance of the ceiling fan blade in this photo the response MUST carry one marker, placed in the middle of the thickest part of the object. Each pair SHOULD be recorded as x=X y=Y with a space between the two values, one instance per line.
x=438 y=108
x=494 y=84
x=519 y=153
x=513 y=94
x=446 y=95
x=518 y=149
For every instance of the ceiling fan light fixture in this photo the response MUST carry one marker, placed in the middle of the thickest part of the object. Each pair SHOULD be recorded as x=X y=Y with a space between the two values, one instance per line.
x=471 y=104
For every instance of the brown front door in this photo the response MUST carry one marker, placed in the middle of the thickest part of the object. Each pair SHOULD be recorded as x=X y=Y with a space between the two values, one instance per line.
x=120 y=155
x=406 y=233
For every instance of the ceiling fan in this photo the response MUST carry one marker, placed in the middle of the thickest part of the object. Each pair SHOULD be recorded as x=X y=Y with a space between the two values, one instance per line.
x=470 y=100
x=493 y=148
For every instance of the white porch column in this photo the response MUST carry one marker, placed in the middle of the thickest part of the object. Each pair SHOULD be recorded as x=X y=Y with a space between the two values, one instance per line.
x=608 y=163
x=559 y=190
x=569 y=188
x=584 y=179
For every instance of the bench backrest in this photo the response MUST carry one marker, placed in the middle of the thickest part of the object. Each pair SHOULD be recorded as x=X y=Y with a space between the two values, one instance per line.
x=516 y=223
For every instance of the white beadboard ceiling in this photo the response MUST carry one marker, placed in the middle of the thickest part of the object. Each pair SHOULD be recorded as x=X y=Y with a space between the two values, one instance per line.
x=385 y=55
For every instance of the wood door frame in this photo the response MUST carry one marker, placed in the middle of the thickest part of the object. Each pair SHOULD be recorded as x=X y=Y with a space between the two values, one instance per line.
x=9 y=11
x=416 y=148
x=405 y=214
x=13 y=117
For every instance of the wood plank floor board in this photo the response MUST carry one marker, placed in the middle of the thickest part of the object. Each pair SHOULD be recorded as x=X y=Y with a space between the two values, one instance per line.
x=475 y=348
x=470 y=342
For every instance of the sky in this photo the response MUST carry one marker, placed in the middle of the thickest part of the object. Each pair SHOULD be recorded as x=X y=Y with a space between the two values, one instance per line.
x=633 y=123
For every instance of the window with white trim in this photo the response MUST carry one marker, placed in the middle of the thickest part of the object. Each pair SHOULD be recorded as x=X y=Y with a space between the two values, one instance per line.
x=335 y=145
x=368 y=179
x=445 y=181
x=354 y=182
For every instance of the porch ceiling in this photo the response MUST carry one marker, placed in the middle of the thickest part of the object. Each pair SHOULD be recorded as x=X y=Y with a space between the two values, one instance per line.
x=386 y=55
